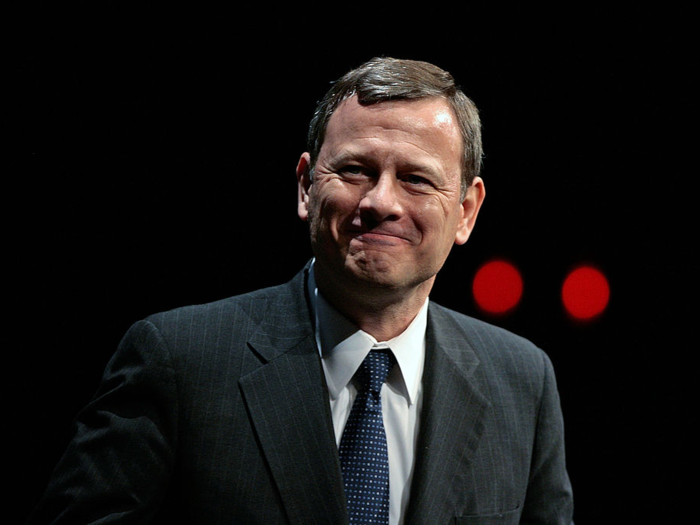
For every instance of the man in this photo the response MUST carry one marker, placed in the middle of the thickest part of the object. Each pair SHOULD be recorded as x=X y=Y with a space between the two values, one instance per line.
x=244 y=410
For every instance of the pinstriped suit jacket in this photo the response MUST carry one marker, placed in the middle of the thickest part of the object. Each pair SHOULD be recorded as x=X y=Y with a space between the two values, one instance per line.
x=219 y=414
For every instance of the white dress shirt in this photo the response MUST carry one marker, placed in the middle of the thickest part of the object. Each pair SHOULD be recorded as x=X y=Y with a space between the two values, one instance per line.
x=343 y=347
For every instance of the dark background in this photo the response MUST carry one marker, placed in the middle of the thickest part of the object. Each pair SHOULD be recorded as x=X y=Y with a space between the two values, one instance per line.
x=157 y=149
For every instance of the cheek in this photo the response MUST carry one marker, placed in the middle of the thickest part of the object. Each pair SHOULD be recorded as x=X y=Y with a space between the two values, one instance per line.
x=431 y=216
x=438 y=223
x=329 y=207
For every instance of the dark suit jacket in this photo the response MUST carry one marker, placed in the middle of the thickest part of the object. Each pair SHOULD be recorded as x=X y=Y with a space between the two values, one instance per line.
x=219 y=414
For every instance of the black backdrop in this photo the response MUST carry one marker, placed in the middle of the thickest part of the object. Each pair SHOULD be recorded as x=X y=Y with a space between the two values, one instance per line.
x=157 y=149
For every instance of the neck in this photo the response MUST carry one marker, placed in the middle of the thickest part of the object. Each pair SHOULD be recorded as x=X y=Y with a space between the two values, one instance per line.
x=383 y=313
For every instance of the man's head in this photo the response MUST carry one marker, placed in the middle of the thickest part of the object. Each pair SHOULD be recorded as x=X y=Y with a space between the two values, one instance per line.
x=383 y=187
x=385 y=79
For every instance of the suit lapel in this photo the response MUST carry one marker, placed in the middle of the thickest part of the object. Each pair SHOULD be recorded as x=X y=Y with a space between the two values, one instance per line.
x=287 y=401
x=452 y=422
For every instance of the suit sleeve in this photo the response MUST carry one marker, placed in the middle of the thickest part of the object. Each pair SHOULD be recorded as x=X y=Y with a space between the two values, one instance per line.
x=549 y=498
x=117 y=466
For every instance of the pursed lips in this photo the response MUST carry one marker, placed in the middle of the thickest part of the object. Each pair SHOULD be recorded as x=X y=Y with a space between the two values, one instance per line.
x=377 y=236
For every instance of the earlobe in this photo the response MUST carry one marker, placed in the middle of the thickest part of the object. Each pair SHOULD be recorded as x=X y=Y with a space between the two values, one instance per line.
x=303 y=186
x=470 y=209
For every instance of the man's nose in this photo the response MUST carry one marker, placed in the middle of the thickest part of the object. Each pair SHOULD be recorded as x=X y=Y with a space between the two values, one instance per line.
x=382 y=201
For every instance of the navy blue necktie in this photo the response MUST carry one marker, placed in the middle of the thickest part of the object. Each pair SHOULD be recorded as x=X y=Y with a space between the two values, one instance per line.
x=364 y=459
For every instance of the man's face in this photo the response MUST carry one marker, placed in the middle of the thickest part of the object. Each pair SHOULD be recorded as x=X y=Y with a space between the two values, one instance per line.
x=385 y=205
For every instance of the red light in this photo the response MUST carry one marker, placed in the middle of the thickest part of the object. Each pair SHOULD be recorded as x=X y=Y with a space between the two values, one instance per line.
x=585 y=293
x=497 y=287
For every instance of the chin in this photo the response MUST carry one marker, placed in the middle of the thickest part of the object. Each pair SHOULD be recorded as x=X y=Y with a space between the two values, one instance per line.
x=380 y=273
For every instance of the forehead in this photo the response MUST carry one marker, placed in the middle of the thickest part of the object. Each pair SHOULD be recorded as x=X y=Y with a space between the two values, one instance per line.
x=428 y=123
x=430 y=114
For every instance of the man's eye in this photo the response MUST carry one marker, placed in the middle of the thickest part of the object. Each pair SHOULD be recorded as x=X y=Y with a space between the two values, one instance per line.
x=353 y=170
x=415 y=179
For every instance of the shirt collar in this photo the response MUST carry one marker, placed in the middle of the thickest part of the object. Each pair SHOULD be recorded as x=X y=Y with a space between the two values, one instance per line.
x=343 y=347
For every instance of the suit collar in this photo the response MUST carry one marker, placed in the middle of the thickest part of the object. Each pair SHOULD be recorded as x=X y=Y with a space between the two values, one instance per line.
x=286 y=321
x=288 y=405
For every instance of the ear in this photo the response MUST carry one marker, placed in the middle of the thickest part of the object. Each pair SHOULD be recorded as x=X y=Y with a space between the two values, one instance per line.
x=303 y=186
x=470 y=209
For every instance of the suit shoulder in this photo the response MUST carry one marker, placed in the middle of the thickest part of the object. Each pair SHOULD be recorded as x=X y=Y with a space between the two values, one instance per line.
x=476 y=325
x=251 y=305
x=506 y=361
x=485 y=339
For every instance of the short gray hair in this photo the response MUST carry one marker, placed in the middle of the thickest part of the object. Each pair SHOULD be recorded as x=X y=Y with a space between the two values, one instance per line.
x=385 y=79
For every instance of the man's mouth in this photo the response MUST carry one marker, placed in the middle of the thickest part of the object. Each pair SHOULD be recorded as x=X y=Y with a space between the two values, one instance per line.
x=378 y=236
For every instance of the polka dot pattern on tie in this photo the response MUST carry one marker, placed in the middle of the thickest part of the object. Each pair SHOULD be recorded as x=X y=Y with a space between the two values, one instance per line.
x=363 y=450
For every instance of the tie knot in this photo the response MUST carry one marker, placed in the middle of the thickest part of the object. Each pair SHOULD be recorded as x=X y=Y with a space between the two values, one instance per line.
x=374 y=370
